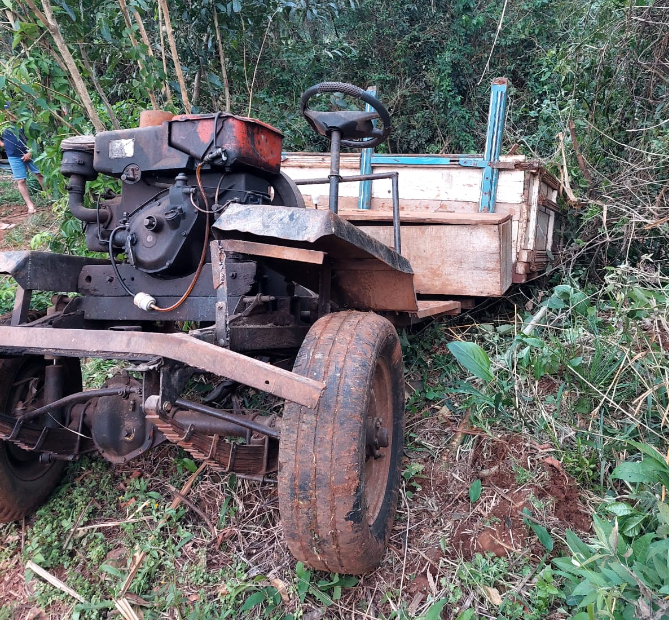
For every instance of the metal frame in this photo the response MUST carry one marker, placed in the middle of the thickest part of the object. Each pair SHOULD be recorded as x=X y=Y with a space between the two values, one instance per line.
x=179 y=347
x=488 y=161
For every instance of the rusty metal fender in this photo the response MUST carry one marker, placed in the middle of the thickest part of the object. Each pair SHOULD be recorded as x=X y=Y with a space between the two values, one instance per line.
x=179 y=347
x=366 y=274
x=45 y=271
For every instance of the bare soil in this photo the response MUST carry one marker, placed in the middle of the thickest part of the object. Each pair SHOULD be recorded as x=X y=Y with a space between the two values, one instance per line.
x=12 y=215
x=516 y=475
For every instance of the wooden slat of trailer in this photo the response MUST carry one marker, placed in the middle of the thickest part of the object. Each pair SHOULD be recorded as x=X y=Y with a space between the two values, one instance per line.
x=463 y=219
x=455 y=260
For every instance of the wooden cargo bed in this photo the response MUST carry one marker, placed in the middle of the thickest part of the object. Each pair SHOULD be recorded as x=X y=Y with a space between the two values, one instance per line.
x=454 y=249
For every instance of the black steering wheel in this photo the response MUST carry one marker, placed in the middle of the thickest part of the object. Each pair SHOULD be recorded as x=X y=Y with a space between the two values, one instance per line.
x=356 y=127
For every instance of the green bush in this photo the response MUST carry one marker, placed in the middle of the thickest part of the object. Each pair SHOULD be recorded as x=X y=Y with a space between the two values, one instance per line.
x=623 y=572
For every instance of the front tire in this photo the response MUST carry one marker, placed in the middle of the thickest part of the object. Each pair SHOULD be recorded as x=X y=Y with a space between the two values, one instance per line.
x=339 y=464
x=25 y=481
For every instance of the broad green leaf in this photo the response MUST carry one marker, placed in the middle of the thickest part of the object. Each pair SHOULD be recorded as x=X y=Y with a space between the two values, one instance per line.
x=542 y=533
x=583 y=588
x=255 y=599
x=189 y=464
x=467 y=614
x=68 y=10
x=577 y=546
x=434 y=613
x=641 y=545
x=473 y=358
x=663 y=512
x=620 y=509
x=648 y=470
x=632 y=525
x=111 y=570
x=475 y=491
x=652 y=452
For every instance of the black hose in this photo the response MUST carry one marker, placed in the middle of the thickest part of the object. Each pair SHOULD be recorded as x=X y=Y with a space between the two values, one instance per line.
x=113 y=261
x=75 y=190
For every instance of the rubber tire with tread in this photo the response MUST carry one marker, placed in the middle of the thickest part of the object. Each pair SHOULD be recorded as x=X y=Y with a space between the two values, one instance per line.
x=323 y=499
x=25 y=485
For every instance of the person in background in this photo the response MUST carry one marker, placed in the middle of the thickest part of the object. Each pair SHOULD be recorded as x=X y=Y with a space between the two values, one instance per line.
x=13 y=140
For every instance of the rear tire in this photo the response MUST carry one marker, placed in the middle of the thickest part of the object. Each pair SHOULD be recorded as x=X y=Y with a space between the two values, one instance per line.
x=337 y=501
x=25 y=481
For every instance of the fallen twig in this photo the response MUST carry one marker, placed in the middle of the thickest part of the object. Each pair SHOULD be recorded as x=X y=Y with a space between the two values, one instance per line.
x=140 y=556
x=54 y=581
x=126 y=610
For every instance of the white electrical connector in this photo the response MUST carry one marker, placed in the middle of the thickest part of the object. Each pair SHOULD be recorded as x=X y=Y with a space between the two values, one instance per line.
x=144 y=301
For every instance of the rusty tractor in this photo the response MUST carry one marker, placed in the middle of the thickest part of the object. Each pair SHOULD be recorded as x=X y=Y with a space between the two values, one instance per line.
x=215 y=266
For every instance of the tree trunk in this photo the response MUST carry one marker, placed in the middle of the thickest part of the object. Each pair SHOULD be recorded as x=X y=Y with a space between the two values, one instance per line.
x=168 y=94
x=49 y=21
x=128 y=23
x=196 y=85
x=175 y=56
x=224 y=71
x=98 y=88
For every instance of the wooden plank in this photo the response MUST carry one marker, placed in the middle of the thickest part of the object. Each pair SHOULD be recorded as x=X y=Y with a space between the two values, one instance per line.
x=412 y=160
x=545 y=201
x=551 y=230
x=543 y=224
x=366 y=155
x=455 y=260
x=507 y=255
x=430 y=307
x=273 y=251
x=349 y=204
x=415 y=182
x=493 y=144
x=550 y=180
x=464 y=219
x=528 y=243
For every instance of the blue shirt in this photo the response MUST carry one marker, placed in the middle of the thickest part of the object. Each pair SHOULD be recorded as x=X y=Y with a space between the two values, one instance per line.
x=15 y=146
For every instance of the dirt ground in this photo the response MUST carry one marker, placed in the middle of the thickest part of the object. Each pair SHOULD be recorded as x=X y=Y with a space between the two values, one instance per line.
x=437 y=526
x=11 y=215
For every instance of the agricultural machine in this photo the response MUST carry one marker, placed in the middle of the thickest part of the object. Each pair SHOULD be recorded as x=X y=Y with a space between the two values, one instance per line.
x=215 y=266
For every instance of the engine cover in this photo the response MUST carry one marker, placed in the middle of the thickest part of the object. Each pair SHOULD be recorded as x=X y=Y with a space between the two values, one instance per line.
x=166 y=235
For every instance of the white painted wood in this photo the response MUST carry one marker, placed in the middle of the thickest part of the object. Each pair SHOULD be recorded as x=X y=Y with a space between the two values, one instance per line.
x=434 y=183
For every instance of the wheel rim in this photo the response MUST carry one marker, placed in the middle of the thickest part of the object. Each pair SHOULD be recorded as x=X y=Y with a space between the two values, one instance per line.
x=27 y=387
x=379 y=418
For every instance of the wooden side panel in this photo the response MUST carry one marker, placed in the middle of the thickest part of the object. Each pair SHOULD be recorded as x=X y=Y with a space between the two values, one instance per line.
x=431 y=187
x=507 y=256
x=455 y=259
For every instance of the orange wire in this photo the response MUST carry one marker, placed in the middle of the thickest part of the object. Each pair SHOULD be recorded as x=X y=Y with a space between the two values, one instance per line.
x=175 y=305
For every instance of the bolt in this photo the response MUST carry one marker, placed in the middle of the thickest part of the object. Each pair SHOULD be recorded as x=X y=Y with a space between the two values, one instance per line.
x=233 y=275
x=167 y=407
x=110 y=279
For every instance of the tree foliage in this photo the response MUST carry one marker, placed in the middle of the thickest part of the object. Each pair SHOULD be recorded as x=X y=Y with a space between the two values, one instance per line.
x=600 y=65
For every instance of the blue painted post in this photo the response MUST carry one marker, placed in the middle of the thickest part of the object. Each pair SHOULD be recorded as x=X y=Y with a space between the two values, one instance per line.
x=493 y=144
x=365 y=195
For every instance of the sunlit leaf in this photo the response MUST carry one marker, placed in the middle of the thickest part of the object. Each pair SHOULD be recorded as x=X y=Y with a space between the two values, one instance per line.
x=473 y=358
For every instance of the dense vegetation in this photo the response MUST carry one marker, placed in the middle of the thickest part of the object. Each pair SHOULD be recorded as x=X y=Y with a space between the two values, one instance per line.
x=588 y=78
